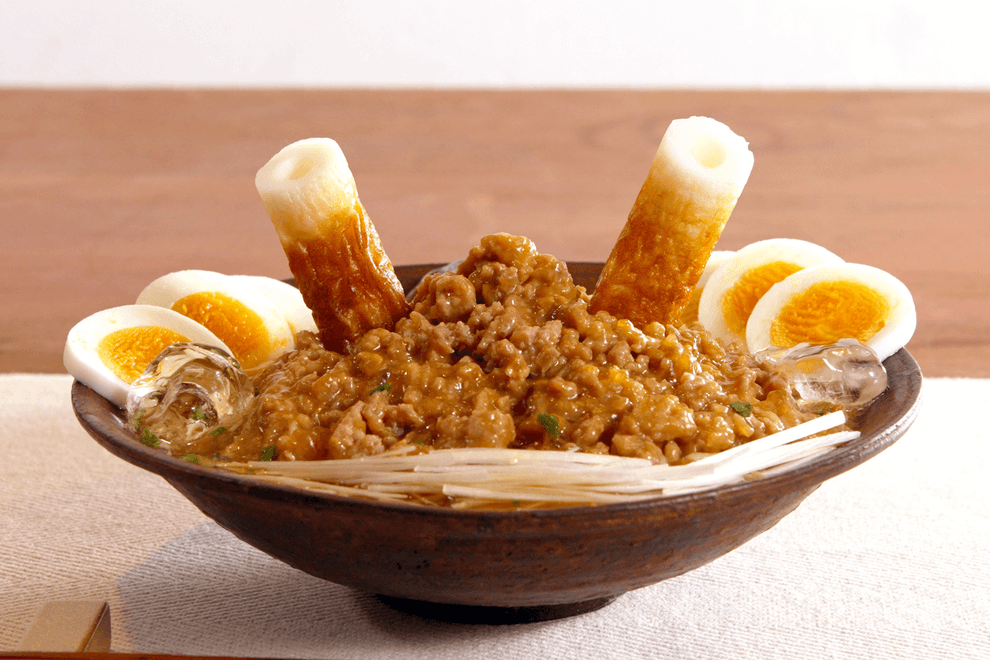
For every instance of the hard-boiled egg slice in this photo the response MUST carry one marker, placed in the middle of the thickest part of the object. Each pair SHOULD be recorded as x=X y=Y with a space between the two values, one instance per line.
x=243 y=317
x=108 y=350
x=286 y=297
x=738 y=284
x=822 y=304
x=717 y=258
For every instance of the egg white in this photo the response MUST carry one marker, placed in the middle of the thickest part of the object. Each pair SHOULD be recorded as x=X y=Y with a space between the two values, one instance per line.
x=81 y=354
x=286 y=297
x=169 y=289
x=788 y=250
x=898 y=328
x=715 y=260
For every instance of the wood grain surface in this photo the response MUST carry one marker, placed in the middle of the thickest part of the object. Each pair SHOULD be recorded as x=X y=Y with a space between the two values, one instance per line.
x=102 y=191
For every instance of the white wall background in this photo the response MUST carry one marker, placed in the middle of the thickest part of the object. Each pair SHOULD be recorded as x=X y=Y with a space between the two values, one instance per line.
x=894 y=44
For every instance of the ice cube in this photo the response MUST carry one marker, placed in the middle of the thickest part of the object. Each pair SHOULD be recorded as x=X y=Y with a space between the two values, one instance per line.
x=190 y=399
x=845 y=373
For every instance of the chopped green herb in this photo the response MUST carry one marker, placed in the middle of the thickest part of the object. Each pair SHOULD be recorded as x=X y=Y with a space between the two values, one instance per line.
x=191 y=458
x=550 y=423
x=136 y=423
x=384 y=387
x=256 y=391
x=268 y=453
x=149 y=438
x=218 y=431
x=516 y=502
x=743 y=408
x=825 y=409
x=197 y=414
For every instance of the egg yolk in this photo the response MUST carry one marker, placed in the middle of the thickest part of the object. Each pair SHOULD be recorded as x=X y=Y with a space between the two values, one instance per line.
x=741 y=298
x=129 y=350
x=232 y=322
x=829 y=311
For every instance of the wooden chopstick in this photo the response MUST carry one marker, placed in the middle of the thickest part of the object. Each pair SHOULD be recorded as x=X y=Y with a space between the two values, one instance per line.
x=81 y=629
x=69 y=627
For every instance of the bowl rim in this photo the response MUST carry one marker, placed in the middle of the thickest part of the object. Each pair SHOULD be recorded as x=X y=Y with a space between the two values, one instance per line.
x=94 y=412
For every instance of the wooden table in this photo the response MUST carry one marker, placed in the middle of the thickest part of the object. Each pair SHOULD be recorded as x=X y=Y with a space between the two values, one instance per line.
x=102 y=191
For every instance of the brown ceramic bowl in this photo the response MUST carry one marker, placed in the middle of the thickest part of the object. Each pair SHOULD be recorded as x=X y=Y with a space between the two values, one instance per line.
x=495 y=567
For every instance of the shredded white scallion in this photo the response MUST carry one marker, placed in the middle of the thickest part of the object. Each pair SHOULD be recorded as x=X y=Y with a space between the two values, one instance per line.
x=477 y=478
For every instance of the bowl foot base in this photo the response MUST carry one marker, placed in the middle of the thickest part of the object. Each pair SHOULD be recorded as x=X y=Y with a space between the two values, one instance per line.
x=493 y=616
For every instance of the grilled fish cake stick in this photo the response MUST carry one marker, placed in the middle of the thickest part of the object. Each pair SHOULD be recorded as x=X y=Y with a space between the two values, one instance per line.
x=697 y=175
x=334 y=252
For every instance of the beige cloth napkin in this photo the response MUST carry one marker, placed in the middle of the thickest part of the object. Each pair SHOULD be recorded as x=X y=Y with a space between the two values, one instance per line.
x=890 y=560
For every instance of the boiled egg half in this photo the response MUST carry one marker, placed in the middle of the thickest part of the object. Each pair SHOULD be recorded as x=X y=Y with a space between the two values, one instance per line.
x=715 y=261
x=238 y=313
x=733 y=290
x=108 y=350
x=822 y=304
x=286 y=297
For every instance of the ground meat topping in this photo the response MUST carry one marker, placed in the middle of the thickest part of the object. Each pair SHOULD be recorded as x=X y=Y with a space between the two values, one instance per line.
x=489 y=350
